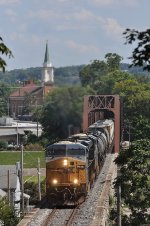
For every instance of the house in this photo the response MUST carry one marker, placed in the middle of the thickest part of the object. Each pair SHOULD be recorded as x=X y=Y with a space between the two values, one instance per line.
x=31 y=95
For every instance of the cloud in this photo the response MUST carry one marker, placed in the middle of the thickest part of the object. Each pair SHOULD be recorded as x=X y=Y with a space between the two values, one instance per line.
x=17 y=36
x=8 y=2
x=112 y=28
x=83 y=15
x=102 y=2
x=43 y=14
x=80 y=48
x=127 y=3
x=23 y=27
x=11 y=14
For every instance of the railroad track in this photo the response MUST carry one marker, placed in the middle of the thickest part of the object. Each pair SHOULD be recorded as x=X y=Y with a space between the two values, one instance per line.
x=60 y=217
x=49 y=217
x=71 y=217
x=89 y=210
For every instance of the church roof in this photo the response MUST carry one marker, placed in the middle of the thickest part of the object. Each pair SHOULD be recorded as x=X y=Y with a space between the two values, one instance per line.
x=46 y=59
x=28 y=88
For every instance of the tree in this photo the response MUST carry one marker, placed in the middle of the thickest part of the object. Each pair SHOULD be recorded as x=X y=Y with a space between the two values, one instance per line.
x=7 y=214
x=4 y=50
x=29 y=102
x=141 y=54
x=62 y=109
x=113 y=61
x=92 y=72
x=107 y=83
x=135 y=98
x=135 y=181
x=5 y=91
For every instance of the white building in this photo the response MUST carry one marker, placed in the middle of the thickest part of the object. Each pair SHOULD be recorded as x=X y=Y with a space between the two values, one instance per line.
x=12 y=130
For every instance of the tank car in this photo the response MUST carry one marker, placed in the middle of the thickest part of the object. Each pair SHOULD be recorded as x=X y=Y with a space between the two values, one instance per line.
x=106 y=128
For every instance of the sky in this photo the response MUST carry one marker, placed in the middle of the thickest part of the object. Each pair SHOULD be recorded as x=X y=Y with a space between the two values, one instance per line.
x=77 y=31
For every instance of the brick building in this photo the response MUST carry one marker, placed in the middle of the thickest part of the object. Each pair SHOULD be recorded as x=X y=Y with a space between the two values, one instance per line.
x=31 y=95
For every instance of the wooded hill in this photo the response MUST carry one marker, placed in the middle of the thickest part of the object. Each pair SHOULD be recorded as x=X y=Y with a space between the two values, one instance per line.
x=68 y=75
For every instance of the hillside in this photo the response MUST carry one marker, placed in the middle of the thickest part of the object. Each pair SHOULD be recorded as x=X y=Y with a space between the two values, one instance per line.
x=68 y=75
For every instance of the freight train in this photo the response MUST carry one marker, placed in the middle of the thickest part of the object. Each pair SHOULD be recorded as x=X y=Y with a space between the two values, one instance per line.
x=73 y=165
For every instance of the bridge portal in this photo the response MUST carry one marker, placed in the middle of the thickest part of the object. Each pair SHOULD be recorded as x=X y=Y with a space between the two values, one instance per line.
x=98 y=107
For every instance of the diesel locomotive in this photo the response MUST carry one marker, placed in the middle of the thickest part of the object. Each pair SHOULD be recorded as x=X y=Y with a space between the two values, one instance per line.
x=73 y=165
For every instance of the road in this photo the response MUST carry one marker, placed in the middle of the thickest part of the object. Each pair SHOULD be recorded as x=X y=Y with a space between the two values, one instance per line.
x=33 y=171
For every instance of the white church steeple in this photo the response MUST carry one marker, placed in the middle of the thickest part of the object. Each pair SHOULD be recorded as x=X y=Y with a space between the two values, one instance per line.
x=47 y=70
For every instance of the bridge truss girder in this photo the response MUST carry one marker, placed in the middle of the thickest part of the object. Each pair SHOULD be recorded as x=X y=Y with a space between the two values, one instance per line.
x=96 y=107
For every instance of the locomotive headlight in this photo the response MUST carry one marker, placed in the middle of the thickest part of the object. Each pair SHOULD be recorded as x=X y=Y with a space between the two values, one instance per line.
x=65 y=162
x=55 y=181
x=75 y=181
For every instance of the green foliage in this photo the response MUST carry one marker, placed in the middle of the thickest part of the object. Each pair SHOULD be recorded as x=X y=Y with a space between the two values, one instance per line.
x=141 y=54
x=135 y=180
x=7 y=214
x=63 y=108
x=33 y=147
x=93 y=72
x=29 y=103
x=135 y=96
x=63 y=75
x=107 y=83
x=4 y=50
x=3 y=144
x=5 y=91
x=31 y=188
x=68 y=75
x=113 y=61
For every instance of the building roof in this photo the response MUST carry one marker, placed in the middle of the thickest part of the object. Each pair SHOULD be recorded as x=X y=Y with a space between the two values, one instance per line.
x=4 y=176
x=19 y=127
x=47 y=62
x=46 y=59
x=28 y=88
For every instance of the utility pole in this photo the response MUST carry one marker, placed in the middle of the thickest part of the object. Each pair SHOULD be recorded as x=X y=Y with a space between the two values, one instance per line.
x=39 y=184
x=17 y=136
x=8 y=107
x=129 y=133
x=22 y=181
x=8 y=186
x=118 y=201
x=37 y=128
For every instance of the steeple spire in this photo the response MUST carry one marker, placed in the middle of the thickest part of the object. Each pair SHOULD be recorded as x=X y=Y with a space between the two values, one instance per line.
x=46 y=59
x=47 y=70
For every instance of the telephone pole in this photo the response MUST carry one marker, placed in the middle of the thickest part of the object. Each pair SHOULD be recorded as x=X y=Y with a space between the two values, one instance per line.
x=9 y=187
x=118 y=200
x=39 y=183
x=22 y=181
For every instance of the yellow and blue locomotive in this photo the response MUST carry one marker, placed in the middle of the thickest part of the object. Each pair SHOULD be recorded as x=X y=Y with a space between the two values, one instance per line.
x=72 y=165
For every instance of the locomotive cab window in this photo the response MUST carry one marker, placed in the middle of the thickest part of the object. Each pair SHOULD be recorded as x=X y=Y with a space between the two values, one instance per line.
x=56 y=151
x=76 y=151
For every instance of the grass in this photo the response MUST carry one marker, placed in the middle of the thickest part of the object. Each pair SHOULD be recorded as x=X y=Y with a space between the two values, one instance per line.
x=29 y=158
x=33 y=179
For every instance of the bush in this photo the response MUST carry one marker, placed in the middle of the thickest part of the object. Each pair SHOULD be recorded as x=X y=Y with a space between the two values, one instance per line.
x=34 y=147
x=31 y=188
x=3 y=144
